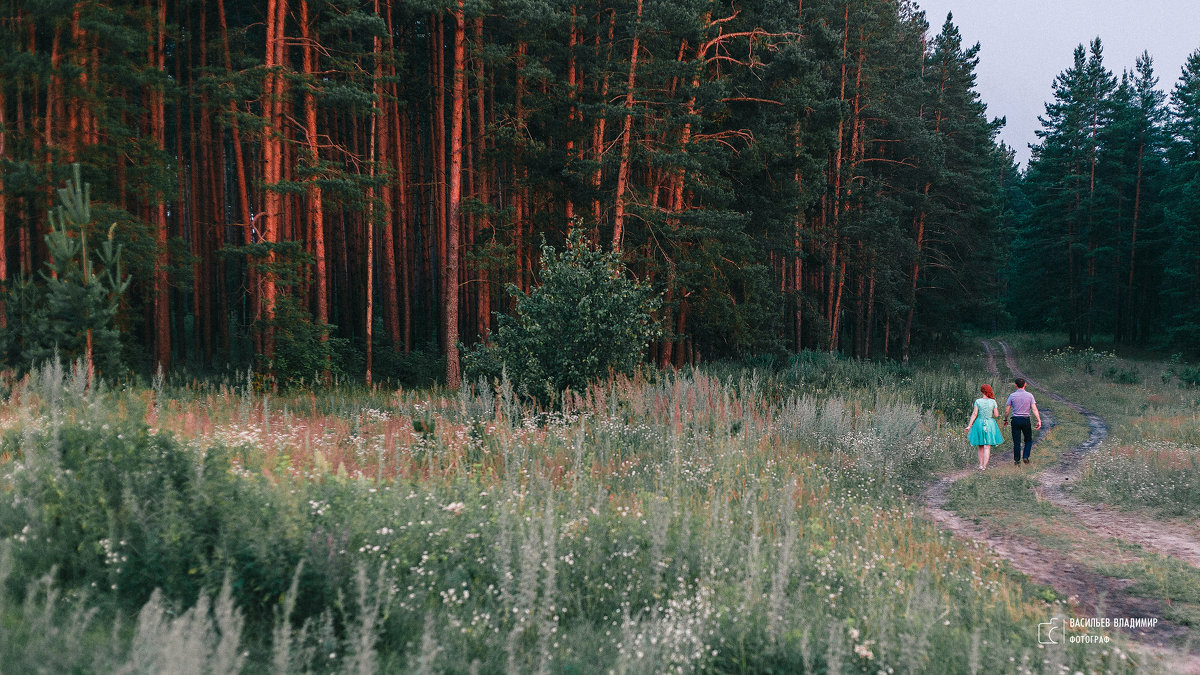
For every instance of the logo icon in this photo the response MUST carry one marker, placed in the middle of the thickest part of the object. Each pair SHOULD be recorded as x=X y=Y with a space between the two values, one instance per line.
x=1046 y=631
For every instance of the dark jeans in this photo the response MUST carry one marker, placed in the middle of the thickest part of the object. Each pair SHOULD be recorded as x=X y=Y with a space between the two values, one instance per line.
x=1021 y=425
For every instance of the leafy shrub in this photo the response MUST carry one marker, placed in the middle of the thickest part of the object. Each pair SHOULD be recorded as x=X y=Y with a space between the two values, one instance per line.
x=304 y=347
x=1123 y=375
x=1086 y=359
x=587 y=319
x=421 y=367
x=1188 y=376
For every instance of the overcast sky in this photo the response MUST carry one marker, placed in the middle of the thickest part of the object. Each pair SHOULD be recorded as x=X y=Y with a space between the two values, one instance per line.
x=1026 y=43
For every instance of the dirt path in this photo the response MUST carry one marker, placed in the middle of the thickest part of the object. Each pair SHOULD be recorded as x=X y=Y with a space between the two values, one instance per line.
x=1094 y=594
x=1152 y=535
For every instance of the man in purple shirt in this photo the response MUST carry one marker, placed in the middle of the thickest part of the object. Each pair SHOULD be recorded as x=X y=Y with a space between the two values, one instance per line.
x=1019 y=404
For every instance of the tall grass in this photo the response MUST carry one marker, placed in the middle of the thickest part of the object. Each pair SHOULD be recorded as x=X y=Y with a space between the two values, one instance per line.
x=715 y=520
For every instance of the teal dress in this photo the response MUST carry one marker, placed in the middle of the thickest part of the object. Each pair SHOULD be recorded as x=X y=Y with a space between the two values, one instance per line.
x=985 y=431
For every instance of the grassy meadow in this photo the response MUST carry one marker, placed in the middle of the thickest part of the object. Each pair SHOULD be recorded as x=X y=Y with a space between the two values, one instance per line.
x=725 y=519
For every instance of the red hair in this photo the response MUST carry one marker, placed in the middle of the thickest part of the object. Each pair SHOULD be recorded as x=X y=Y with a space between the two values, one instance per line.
x=987 y=391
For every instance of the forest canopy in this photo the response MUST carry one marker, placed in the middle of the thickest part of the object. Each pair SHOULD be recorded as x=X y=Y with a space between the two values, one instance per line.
x=808 y=175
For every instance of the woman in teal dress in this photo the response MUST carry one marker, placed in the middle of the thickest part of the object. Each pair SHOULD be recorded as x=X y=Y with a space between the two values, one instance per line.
x=981 y=428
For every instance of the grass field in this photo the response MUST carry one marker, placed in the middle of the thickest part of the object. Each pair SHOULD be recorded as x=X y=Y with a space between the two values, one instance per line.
x=728 y=519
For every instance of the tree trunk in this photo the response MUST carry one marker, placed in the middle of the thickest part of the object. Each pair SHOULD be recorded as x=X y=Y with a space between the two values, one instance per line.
x=312 y=191
x=626 y=134
x=598 y=132
x=239 y=161
x=833 y=300
x=572 y=94
x=391 y=313
x=518 y=189
x=455 y=216
x=3 y=221
x=272 y=163
x=798 y=257
x=906 y=338
x=369 y=322
x=798 y=224
x=162 y=298
x=1137 y=207
x=484 y=307
x=406 y=220
x=866 y=352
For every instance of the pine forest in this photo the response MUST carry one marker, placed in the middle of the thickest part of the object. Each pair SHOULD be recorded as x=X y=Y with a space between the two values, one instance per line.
x=817 y=175
x=625 y=336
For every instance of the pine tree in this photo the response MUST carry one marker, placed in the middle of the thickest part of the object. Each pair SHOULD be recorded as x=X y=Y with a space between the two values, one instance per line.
x=1133 y=169
x=71 y=312
x=958 y=205
x=1063 y=180
x=1181 y=292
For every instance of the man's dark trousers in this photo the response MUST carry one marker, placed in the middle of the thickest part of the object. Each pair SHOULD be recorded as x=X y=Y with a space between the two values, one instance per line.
x=1021 y=425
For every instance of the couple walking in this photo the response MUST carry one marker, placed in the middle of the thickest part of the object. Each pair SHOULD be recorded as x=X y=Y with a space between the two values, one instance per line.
x=982 y=430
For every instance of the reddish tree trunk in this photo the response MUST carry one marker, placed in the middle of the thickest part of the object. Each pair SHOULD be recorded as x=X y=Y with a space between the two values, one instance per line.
x=598 y=132
x=626 y=134
x=272 y=161
x=455 y=216
x=391 y=313
x=315 y=207
x=74 y=125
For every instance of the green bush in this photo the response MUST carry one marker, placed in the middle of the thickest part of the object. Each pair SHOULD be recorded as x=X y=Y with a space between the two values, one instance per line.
x=1188 y=376
x=421 y=367
x=1123 y=375
x=304 y=348
x=587 y=319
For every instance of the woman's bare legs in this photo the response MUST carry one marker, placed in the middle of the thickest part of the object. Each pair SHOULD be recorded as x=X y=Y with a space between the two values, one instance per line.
x=985 y=455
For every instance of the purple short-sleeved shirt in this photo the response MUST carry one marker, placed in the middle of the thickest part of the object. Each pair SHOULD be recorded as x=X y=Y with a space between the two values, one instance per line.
x=1022 y=403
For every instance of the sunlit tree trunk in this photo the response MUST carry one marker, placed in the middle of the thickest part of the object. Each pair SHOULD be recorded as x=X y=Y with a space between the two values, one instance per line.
x=598 y=130
x=626 y=134
x=455 y=216
x=312 y=191
x=272 y=161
